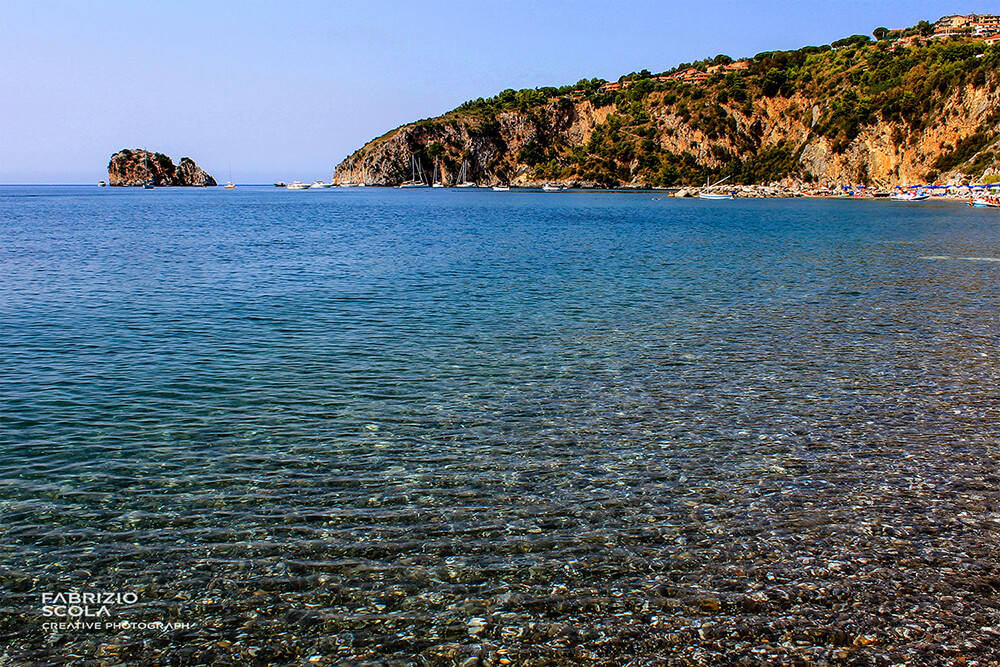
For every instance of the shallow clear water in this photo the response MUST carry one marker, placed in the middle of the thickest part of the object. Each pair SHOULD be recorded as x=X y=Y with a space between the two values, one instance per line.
x=379 y=424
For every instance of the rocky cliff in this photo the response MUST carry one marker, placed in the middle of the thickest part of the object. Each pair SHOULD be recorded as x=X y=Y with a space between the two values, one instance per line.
x=866 y=113
x=138 y=167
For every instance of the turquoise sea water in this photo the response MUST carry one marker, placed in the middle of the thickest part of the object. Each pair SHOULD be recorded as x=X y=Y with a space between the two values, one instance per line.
x=433 y=425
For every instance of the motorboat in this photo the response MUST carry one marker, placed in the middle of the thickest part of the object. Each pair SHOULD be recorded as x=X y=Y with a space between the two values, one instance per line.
x=280 y=184
x=501 y=188
x=320 y=185
x=909 y=196
x=102 y=184
x=549 y=187
x=298 y=185
x=985 y=202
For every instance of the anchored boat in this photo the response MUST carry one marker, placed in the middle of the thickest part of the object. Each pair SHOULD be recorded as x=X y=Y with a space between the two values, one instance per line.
x=417 y=177
x=909 y=196
x=715 y=195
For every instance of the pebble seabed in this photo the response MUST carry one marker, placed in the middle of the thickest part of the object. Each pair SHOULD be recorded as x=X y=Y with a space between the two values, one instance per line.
x=838 y=558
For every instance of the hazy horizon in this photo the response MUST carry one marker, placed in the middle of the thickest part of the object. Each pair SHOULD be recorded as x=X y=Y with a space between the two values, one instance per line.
x=286 y=91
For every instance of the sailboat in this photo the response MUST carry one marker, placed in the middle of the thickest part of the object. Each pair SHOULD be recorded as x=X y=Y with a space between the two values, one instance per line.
x=415 y=182
x=463 y=176
x=336 y=181
x=149 y=181
x=229 y=185
x=713 y=195
x=435 y=183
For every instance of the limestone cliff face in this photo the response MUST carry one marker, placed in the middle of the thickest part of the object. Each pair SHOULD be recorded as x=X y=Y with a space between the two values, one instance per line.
x=504 y=147
x=137 y=167
x=489 y=148
x=894 y=154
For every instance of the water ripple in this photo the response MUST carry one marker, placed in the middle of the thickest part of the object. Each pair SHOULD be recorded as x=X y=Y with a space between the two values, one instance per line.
x=430 y=427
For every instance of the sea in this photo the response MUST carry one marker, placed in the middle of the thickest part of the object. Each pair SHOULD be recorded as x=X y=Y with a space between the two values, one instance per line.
x=461 y=427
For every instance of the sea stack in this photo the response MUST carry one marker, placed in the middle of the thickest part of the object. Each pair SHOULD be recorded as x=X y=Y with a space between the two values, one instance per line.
x=138 y=167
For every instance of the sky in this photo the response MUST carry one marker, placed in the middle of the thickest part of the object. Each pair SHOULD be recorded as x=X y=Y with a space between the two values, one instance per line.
x=284 y=90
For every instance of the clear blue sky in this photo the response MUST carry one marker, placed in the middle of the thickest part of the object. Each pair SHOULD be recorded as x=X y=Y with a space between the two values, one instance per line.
x=285 y=90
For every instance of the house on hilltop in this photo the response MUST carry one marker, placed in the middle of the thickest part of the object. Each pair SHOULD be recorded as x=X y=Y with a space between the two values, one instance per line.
x=985 y=25
x=978 y=25
x=690 y=75
x=686 y=75
x=905 y=42
x=951 y=23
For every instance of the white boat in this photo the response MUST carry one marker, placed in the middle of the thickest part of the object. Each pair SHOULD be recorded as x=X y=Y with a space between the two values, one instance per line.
x=548 y=187
x=149 y=183
x=435 y=183
x=463 y=176
x=229 y=184
x=501 y=188
x=714 y=195
x=909 y=196
x=320 y=184
x=298 y=185
x=336 y=182
x=102 y=184
x=985 y=202
x=417 y=176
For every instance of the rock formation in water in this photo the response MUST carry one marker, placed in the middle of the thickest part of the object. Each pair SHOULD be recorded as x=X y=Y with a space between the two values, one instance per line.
x=138 y=167
x=908 y=108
